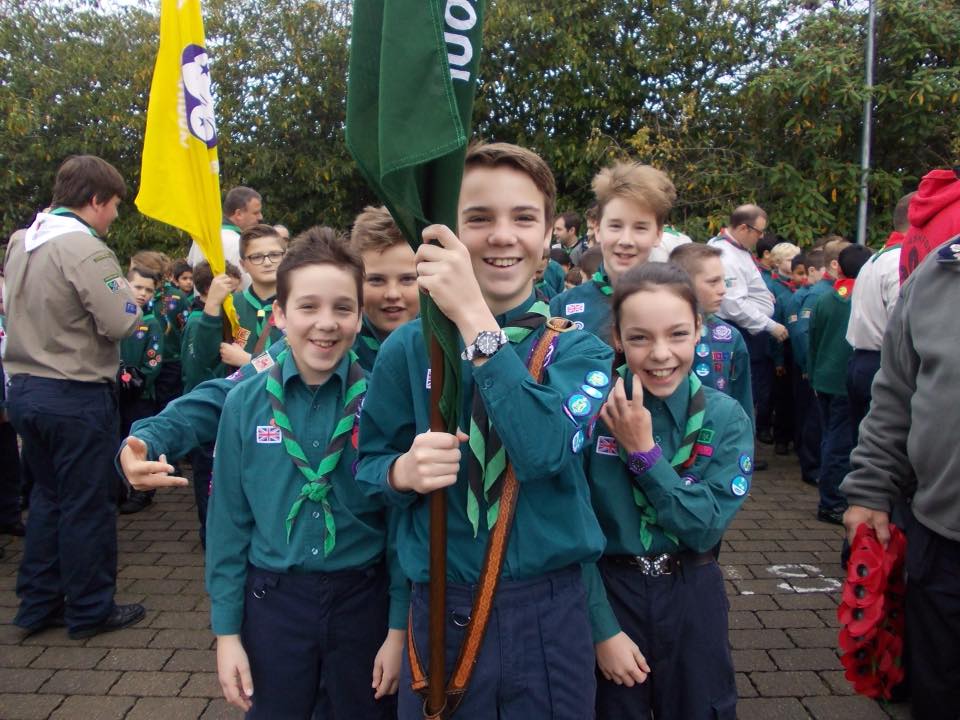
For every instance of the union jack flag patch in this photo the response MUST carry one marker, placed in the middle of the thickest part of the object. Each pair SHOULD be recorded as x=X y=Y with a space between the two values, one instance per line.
x=606 y=445
x=268 y=435
x=573 y=308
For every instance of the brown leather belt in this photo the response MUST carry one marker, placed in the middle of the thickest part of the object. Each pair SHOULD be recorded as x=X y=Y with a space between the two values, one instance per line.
x=664 y=564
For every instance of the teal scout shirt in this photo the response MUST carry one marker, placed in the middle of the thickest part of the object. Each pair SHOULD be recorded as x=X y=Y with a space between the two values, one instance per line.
x=587 y=306
x=368 y=343
x=255 y=483
x=782 y=292
x=192 y=419
x=723 y=362
x=542 y=426
x=200 y=349
x=829 y=351
x=554 y=280
x=174 y=307
x=689 y=510
x=144 y=351
x=256 y=315
x=798 y=320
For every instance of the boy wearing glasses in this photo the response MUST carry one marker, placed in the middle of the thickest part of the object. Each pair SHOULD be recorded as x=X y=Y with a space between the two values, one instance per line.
x=261 y=250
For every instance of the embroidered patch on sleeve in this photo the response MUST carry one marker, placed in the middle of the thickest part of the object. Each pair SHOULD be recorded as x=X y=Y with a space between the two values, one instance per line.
x=606 y=445
x=574 y=308
x=268 y=435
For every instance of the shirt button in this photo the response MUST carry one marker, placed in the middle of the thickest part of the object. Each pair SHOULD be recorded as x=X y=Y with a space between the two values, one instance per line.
x=487 y=384
x=316 y=443
x=316 y=514
x=656 y=439
x=314 y=551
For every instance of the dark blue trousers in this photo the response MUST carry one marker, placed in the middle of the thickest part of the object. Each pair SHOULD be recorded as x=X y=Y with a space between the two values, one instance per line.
x=861 y=369
x=679 y=621
x=70 y=434
x=537 y=659
x=299 y=627
x=933 y=623
x=806 y=427
x=201 y=462
x=10 y=485
x=836 y=444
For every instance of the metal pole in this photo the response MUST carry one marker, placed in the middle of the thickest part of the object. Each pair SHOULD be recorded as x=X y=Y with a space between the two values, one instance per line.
x=867 y=129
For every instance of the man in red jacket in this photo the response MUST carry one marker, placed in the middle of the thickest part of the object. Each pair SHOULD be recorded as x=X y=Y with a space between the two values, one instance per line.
x=934 y=218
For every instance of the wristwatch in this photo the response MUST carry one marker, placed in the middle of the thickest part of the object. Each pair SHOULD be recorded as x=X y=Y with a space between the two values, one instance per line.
x=640 y=462
x=486 y=344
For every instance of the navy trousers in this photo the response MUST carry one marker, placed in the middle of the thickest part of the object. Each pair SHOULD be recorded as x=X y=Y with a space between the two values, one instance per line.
x=861 y=369
x=783 y=400
x=69 y=432
x=201 y=462
x=297 y=628
x=836 y=444
x=679 y=621
x=10 y=488
x=933 y=623
x=806 y=427
x=537 y=659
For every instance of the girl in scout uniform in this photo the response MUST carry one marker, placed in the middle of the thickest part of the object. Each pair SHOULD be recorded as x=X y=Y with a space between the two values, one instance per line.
x=669 y=466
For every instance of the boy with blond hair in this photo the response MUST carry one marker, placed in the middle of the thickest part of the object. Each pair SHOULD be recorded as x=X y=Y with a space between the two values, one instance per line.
x=633 y=202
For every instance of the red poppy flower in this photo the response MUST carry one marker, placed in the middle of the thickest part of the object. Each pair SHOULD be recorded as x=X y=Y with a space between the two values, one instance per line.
x=860 y=620
x=850 y=643
x=864 y=678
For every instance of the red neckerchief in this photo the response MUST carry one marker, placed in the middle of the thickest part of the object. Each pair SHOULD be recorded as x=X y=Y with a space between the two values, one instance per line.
x=895 y=239
x=844 y=287
x=788 y=284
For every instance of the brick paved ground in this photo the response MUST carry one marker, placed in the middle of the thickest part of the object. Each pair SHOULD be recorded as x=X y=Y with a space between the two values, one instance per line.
x=782 y=572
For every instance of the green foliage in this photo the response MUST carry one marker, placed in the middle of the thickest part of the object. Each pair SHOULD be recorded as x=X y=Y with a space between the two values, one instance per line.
x=738 y=100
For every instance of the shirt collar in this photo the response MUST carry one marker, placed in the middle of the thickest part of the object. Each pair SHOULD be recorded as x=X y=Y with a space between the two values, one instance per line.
x=290 y=371
x=521 y=309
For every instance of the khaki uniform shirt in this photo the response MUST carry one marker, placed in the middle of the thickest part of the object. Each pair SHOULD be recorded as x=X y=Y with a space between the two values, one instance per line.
x=68 y=308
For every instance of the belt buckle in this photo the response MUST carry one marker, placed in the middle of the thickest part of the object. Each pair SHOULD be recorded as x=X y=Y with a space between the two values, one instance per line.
x=660 y=565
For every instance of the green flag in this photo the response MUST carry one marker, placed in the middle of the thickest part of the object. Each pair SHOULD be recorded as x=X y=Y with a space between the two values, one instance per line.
x=413 y=71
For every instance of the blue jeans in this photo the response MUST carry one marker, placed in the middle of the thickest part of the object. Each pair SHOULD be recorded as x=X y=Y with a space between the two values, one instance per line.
x=836 y=444
x=70 y=432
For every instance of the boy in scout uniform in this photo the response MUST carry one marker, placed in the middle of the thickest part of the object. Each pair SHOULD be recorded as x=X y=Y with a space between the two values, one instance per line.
x=722 y=361
x=68 y=307
x=633 y=202
x=483 y=281
x=261 y=250
x=390 y=294
x=141 y=355
x=297 y=563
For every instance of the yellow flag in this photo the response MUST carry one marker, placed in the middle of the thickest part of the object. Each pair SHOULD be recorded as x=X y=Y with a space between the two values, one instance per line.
x=180 y=172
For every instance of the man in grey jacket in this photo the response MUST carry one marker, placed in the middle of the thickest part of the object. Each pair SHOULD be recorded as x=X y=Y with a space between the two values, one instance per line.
x=909 y=451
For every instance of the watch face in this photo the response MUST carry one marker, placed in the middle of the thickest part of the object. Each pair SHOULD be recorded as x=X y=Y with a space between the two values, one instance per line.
x=637 y=465
x=488 y=343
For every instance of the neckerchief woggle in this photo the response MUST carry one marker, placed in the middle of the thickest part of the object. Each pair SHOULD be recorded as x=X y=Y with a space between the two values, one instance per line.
x=318 y=485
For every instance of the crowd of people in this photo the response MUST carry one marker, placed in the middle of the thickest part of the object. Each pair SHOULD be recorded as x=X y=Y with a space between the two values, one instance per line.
x=616 y=379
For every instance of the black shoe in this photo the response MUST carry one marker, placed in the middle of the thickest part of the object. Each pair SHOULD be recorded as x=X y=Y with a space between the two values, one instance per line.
x=834 y=517
x=781 y=448
x=14 y=528
x=810 y=481
x=760 y=465
x=121 y=617
x=136 y=502
x=765 y=436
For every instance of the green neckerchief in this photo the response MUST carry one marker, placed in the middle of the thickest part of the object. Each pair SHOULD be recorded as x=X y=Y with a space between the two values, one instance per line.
x=682 y=458
x=264 y=310
x=602 y=282
x=231 y=226
x=318 y=485
x=67 y=212
x=370 y=335
x=487 y=471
